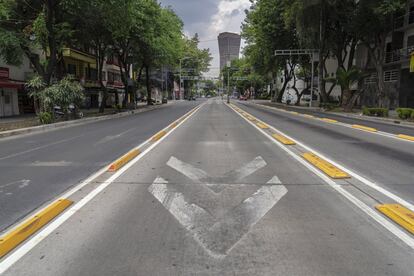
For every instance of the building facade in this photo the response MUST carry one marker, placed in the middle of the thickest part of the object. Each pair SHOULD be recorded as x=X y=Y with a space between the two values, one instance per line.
x=399 y=81
x=229 y=47
x=14 y=98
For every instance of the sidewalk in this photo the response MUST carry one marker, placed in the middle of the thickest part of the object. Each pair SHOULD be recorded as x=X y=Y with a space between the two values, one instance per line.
x=29 y=123
x=393 y=119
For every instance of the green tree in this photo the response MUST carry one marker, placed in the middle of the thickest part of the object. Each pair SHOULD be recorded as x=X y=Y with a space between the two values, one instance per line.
x=375 y=21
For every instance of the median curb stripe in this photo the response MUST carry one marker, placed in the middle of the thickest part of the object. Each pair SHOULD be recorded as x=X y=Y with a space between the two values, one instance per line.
x=123 y=160
x=406 y=137
x=325 y=166
x=328 y=120
x=399 y=214
x=11 y=240
x=158 y=136
x=282 y=139
x=262 y=126
x=365 y=128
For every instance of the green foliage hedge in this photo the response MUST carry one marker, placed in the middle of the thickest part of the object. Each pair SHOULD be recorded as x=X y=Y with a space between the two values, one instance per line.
x=377 y=112
x=45 y=118
x=405 y=113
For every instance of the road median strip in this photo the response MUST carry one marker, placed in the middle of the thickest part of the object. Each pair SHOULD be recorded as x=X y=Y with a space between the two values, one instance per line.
x=325 y=166
x=11 y=240
x=262 y=126
x=284 y=140
x=329 y=120
x=119 y=163
x=158 y=136
x=406 y=137
x=365 y=128
x=399 y=214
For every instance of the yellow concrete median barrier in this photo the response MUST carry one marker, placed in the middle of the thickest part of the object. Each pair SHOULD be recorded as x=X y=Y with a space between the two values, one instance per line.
x=365 y=128
x=262 y=126
x=329 y=120
x=284 y=140
x=11 y=240
x=308 y=116
x=325 y=166
x=399 y=214
x=406 y=137
x=158 y=136
x=123 y=160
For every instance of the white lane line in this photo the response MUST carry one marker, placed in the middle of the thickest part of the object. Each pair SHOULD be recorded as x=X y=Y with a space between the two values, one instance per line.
x=23 y=183
x=36 y=239
x=381 y=133
x=40 y=147
x=362 y=179
x=402 y=235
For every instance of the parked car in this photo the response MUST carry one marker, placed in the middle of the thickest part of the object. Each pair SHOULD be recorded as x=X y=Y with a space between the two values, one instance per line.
x=243 y=98
x=191 y=98
x=164 y=100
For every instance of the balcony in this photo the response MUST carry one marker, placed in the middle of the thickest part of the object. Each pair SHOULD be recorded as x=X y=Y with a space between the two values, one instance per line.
x=404 y=21
x=399 y=56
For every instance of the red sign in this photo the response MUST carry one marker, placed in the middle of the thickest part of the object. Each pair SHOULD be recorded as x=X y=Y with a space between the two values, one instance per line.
x=4 y=73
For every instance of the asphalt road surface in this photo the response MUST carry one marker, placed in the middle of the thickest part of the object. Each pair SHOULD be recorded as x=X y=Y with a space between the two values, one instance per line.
x=383 y=160
x=217 y=197
x=36 y=168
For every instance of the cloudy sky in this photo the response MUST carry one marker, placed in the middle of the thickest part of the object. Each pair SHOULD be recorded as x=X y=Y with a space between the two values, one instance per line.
x=208 y=18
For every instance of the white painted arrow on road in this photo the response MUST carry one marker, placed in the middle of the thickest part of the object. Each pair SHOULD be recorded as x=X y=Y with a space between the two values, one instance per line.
x=218 y=236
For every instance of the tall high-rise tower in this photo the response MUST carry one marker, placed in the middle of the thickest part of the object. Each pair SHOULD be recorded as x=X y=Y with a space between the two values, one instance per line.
x=229 y=46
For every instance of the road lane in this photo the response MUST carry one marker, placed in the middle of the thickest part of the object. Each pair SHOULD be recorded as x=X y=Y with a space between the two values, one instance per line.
x=54 y=161
x=387 y=162
x=216 y=197
x=382 y=126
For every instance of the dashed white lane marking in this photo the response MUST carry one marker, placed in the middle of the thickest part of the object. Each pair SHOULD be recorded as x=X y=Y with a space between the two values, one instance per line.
x=40 y=147
x=22 y=184
x=218 y=235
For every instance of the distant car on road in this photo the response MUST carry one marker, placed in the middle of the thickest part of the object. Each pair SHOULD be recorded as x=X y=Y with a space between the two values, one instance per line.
x=243 y=98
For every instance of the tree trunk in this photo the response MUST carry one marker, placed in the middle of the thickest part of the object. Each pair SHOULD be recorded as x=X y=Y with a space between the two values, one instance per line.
x=149 y=100
x=346 y=97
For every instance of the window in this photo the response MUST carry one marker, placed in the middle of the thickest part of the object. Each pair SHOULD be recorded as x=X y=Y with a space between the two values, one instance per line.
x=391 y=76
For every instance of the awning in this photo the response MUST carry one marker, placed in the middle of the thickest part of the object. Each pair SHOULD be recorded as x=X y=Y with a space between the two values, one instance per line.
x=9 y=84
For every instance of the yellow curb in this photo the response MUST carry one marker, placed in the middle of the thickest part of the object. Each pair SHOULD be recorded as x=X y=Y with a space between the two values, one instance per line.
x=251 y=118
x=293 y=112
x=308 y=116
x=406 y=137
x=369 y=129
x=158 y=136
x=329 y=120
x=173 y=125
x=282 y=139
x=399 y=214
x=9 y=241
x=262 y=126
x=325 y=166
x=124 y=160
